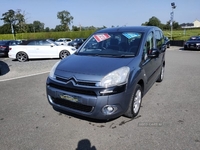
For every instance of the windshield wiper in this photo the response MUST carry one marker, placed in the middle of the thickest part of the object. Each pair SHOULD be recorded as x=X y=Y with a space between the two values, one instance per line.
x=124 y=56
x=117 y=56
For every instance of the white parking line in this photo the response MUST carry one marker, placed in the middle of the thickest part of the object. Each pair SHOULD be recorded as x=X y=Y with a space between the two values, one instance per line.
x=24 y=76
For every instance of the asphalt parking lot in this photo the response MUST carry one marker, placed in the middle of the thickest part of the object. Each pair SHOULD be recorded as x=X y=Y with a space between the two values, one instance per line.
x=169 y=118
x=13 y=69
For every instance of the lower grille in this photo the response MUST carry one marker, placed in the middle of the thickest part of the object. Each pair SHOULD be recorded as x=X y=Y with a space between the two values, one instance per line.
x=72 y=105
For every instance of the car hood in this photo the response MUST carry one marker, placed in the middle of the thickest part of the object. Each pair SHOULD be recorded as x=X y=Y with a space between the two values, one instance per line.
x=89 y=67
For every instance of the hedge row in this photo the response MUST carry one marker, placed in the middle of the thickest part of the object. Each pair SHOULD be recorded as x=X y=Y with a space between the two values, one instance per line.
x=45 y=35
x=183 y=34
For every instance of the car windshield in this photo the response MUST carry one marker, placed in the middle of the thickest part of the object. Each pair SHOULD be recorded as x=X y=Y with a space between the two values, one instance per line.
x=113 y=44
x=195 y=38
x=60 y=41
x=77 y=40
x=52 y=42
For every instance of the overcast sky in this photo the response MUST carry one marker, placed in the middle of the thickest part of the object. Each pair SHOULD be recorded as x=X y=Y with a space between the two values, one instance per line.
x=107 y=13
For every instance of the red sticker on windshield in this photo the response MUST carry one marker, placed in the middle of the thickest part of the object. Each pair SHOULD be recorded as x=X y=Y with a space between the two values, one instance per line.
x=101 y=37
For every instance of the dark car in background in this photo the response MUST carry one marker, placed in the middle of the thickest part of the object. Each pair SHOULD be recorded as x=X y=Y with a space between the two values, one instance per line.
x=77 y=42
x=109 y=74
x=5 y=46
x=192 y=43
x=167 y=42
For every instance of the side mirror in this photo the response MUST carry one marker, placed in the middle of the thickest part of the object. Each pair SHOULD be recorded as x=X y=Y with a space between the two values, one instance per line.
x=154 y=53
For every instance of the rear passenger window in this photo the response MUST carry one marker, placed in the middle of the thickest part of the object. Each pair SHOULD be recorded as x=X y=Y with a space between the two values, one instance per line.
x=159 y=39
x=148 y=45
x=31 y=43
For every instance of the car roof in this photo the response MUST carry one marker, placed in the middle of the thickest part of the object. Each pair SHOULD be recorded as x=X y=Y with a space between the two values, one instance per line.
x=127 y=29
x=7 y=41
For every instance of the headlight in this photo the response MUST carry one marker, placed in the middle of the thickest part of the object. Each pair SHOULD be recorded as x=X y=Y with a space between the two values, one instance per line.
x=51 y=74
x=117 y=77
x=198 y=44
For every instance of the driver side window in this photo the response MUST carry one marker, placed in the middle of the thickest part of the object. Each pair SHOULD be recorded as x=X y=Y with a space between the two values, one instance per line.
x=148 y=45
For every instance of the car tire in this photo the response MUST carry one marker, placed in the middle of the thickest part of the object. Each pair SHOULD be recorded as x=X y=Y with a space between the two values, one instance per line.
x=135 y=103
x=22 y=56
x=161 y=75
x=168 y=46
x=63 y=54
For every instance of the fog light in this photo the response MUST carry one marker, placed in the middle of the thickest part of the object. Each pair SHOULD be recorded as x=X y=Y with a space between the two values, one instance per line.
x=109 y=109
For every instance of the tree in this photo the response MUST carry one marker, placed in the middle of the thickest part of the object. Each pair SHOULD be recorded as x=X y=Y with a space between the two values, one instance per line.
x=5 y=29
x=153 y=21
x=15 y=19
x=30 y=28
x=75 y=28
x=167 y=26
x=60 y=28
x=65 y=19
x=20 y=21
x=38 y=26
x=174 y=24
x=47 y=29
x=9 y=18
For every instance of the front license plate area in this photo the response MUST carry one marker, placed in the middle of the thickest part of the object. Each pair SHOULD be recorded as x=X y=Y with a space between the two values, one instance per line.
x=192 y=45
x=68 y=97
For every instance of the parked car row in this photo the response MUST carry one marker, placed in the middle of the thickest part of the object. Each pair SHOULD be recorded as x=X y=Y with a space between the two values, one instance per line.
x=34 y=49
x=63 y=41
x=77 y=42
x=68 y=41
x=23 y=50
x=5 y=46
x=192 y=43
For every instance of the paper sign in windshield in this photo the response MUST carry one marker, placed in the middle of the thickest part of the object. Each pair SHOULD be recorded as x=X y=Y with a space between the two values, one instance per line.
x=131 y=35
x=101 y=37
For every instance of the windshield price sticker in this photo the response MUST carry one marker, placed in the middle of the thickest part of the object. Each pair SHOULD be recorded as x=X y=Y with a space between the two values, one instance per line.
x=101 y=37
x=131 y=35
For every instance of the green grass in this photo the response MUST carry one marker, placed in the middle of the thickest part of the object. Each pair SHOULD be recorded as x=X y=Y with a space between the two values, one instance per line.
x=183 y=34
x=45 y=35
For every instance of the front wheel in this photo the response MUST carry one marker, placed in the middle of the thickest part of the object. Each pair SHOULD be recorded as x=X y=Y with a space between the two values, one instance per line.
x=135 y=104
x=64 y=54
x=22 y=56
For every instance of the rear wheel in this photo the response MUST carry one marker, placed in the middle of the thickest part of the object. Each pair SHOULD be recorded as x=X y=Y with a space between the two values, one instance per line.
x=161 y=75
x=64 y=54
x=135 y=104
x=22 y=56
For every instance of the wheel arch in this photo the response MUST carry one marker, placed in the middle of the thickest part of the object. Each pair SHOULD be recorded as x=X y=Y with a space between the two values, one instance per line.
x=141 y=83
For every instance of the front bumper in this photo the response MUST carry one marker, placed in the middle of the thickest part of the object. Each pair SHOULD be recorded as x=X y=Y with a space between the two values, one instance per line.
x=192 y=46
x=87 y=103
